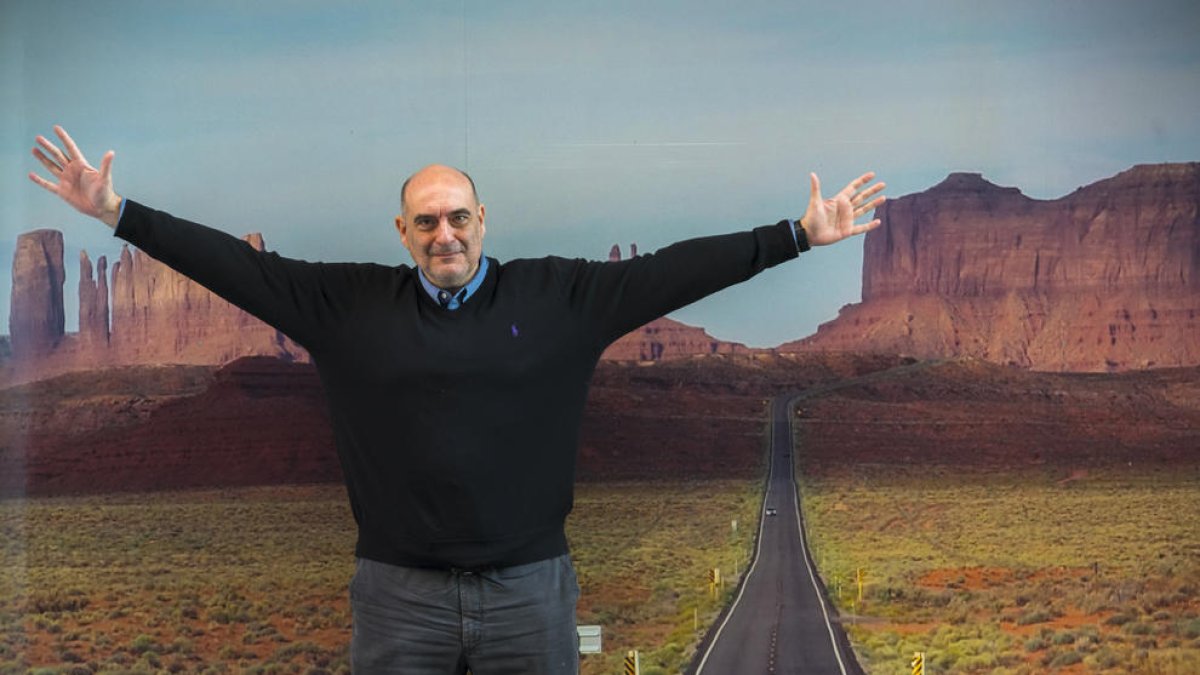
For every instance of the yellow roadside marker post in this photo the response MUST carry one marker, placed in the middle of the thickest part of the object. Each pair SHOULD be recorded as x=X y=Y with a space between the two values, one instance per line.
x=633 y=664
x=918 y=663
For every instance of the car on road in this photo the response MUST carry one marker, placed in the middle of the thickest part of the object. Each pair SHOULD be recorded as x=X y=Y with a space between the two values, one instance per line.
x=770 y=510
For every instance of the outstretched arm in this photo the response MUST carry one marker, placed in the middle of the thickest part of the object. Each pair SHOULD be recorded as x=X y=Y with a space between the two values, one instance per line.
x=828 y=221
x=79 y=184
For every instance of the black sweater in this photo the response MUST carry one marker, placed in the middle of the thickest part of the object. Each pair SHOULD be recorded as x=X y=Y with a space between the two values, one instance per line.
x=456 y=430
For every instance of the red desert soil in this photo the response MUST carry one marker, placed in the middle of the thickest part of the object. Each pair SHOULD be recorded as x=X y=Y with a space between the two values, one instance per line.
x=262 y=421
x=122 y=627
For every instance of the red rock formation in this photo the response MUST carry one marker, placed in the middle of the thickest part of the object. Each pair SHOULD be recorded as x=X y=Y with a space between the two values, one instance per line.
x=93 y=303
x=667 y=340
x=36 y=318
x=1106 y=278
x=158 y=316
x=161 y=316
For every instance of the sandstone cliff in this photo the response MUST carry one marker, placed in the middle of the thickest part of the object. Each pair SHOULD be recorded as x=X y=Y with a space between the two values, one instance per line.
x=160 y=316
x=36 y=320
x=1105 y=278
x=157 y=316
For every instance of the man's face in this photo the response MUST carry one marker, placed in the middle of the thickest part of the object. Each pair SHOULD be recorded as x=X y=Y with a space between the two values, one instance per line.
x=442 y=226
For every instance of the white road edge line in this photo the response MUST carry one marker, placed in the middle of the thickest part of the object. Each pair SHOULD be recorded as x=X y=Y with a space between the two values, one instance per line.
x=837 y=652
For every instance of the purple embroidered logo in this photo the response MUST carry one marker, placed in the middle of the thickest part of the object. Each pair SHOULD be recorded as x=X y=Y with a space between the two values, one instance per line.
x=515 y=332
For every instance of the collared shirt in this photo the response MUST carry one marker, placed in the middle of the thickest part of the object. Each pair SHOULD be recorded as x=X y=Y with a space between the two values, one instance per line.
x=455 y=300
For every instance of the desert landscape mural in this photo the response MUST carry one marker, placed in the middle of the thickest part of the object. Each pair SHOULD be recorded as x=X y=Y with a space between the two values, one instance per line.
x=999 y=495
x=991 y=402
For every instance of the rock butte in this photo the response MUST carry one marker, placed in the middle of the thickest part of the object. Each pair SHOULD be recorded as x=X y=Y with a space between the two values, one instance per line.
x=1106 y=278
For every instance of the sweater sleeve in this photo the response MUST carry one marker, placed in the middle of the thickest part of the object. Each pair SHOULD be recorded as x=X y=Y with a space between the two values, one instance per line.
x=301 y=299
x=621 y=296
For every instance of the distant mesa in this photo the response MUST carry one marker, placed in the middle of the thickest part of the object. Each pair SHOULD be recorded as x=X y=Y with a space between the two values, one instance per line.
x=152 y=315
x=1106 y=278
x=148 y=314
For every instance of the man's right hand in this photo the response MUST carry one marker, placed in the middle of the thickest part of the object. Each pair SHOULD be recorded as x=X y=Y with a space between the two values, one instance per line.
x=79 y=183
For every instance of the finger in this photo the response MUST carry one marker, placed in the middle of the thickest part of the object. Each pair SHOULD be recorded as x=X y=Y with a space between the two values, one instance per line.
x=72 y=149
x=873 y=190
x=869 y=207
x=50 y=165
x=53 y=150
x=815 y=184
x=853 y=186
x=43 y=182
x=106 y=166
x=861 y=229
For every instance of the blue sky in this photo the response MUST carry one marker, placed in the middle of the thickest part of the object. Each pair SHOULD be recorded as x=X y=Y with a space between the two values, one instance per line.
x=584 y=124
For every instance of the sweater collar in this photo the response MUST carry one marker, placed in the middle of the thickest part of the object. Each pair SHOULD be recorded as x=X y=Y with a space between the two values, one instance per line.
x=457 y=299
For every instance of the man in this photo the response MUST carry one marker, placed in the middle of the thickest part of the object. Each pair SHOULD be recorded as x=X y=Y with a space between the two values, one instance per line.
x=456 y=391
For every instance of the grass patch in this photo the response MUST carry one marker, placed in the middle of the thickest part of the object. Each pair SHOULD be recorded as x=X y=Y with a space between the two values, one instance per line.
x=255 y=579
x=1100 y=572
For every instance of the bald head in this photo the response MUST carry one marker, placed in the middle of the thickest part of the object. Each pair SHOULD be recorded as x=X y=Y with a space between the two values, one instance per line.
x=436 y=172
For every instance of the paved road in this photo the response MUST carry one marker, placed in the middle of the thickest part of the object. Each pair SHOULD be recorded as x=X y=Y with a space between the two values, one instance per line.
x=780 y=621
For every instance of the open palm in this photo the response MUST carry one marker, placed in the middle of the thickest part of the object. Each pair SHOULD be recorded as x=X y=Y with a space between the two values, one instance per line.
x=831 y=220
x=79 y=184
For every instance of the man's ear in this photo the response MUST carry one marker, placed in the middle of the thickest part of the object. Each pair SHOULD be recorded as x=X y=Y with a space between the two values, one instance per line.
x=402 y=228
x=482 y=227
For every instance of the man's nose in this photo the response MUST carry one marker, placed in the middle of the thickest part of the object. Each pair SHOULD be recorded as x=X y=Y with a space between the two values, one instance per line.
x=444 y=233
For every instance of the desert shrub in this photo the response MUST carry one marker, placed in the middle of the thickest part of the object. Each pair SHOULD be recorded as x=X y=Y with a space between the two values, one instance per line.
x=1118 y=620
x=68 y=656
x=1034 y=616
x=1103 y=659
x=1034 y=644
x=315 y=653
x=1138 y=628
x=1064 y=659
x=1188 y=629
x=144 y=643
x=979 y=662
x=181 y=645
x=943 y=661
x=56 y=601
x=1064 y=638
x=227 y=653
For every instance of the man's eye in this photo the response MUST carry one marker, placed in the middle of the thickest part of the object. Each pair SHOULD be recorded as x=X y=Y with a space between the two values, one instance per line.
x=462 y=218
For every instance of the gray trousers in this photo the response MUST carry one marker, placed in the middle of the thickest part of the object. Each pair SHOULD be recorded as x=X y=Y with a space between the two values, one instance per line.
x=437 y=622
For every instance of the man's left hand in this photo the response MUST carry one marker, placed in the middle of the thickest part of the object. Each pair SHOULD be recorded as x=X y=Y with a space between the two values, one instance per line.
x=828 y=221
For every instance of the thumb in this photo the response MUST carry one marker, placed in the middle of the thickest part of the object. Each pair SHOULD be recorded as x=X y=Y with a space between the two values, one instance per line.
x=816 y=186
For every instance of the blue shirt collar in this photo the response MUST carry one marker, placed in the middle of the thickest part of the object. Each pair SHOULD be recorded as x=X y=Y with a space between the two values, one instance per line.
x=465 y=292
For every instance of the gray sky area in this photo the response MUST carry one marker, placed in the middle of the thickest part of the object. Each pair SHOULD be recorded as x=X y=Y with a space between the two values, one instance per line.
x=584 y=124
